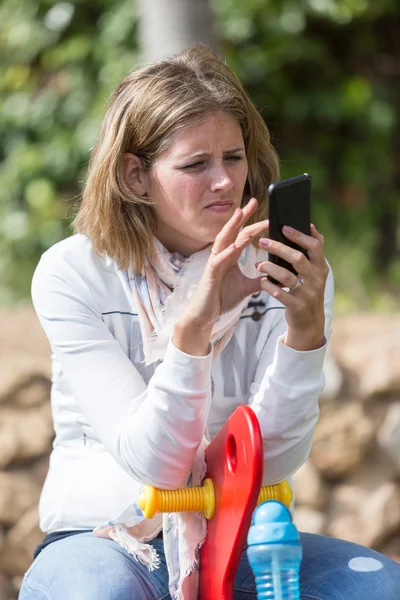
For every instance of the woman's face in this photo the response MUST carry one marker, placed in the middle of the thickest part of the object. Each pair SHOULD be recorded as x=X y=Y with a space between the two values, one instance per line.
x=198 y=183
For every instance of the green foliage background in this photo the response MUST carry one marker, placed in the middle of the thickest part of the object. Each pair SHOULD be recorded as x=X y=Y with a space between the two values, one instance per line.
x=324 y=73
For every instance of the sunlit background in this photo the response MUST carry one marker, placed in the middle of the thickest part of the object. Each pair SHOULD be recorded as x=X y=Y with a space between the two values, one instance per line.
x=325 y=75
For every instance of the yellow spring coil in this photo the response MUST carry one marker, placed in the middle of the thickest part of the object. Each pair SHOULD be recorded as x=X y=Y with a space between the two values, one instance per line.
x=200 y=499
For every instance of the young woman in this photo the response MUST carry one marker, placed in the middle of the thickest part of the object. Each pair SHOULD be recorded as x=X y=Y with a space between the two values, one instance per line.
x=162 y=321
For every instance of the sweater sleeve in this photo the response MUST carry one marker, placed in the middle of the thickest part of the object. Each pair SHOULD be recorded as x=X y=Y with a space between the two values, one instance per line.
x=285 y=394
x=153 y=431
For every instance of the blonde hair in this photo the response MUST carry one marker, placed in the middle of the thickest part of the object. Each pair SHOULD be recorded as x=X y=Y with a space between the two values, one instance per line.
x=144 y=111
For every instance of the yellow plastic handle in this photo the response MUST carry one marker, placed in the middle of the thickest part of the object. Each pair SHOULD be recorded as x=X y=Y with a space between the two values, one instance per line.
x=197 y=499
x=280 y=491
x=200 y=499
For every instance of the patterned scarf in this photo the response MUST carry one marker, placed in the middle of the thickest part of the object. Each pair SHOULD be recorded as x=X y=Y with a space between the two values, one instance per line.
x=163 y=289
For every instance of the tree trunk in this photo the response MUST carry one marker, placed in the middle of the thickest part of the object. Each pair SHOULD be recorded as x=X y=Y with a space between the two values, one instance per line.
x=168 y=26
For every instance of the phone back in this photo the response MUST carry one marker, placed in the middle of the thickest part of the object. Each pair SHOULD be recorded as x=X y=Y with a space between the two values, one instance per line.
x=289 y=204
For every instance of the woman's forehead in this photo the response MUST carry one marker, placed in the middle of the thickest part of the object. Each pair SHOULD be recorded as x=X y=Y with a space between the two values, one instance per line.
x=218 y=129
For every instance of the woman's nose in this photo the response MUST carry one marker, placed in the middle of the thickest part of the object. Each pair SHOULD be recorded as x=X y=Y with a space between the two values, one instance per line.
x=220 y=179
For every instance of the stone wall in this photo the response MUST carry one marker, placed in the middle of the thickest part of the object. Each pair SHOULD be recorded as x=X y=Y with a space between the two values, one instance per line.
x=26 y=434
x=348 y=488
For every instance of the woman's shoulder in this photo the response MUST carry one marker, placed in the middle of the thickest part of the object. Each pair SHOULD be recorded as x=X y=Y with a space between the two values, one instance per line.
x=75 y=254
x=74 y=249
x=72 y=266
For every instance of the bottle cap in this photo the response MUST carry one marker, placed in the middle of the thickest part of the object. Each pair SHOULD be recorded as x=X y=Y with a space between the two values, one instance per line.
x=272 y=524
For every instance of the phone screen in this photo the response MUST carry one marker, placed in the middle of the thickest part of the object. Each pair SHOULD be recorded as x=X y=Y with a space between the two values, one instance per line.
x=289 y=204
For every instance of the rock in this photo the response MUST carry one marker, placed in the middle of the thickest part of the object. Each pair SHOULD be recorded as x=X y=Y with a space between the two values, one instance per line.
x=21 y=542
x=24 y=351
x=26 y=534
x=8 y=443
x=309 y=520
x=18 y=493
x=20 y=371
x=333 y=377
x=7 y=591
x=25 y=434
x=373 y=473
x=347 y=500
x=392 y=549
x=21 y=331
x=367 y=518
x=380 y=514
x=14 y=561
x=344 y=519
x=341 y=439
x=368 y=347
x=388 y=435
x=17 y=582
x=39 y=469
x=309 y=489
x=33 y=394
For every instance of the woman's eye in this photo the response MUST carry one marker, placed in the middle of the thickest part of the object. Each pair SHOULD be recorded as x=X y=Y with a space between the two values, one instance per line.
x=199 y=163
x=234 y=158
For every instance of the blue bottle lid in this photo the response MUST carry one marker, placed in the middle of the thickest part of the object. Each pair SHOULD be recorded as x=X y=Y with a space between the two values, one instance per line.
x=272 y=524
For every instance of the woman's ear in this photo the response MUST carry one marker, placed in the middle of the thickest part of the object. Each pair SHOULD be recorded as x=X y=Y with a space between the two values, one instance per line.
x=134 y=173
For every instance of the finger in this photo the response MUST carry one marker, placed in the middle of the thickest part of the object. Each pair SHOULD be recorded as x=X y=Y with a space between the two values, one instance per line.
x=229 y=231
x=249 y=208
x=312 y=243
x=251 y=231
x=284 y=276
x=242 y=241
x=315 y=233
x=295 y=257
x=247 y=211
x=227 y=257
x=287 y=299
x=223 y=259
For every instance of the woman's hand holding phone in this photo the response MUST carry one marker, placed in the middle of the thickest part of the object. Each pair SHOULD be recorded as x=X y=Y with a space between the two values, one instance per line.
x=223 y=285
x=305 y=306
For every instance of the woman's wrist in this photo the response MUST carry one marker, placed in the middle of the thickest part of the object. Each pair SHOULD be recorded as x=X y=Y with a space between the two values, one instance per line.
x=192 y=339
x=304 y=340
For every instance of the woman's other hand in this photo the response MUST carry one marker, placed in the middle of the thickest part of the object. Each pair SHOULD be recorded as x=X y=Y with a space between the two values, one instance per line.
x=223 y=285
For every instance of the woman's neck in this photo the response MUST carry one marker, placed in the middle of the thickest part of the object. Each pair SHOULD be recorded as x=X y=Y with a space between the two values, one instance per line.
x=182 y=244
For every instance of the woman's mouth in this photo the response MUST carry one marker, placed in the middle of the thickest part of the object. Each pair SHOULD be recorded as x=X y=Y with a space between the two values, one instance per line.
x=220 y=207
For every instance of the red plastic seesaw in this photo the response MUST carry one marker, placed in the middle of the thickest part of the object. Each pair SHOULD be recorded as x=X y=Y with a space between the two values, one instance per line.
x=235 y=464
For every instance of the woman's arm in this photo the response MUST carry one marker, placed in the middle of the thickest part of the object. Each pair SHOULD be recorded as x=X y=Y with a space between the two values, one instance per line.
x=288 y=384
x=152 y=431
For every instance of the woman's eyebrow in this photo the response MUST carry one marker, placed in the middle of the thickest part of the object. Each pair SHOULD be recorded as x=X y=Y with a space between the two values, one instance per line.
x=241 y=149
x=197 y=154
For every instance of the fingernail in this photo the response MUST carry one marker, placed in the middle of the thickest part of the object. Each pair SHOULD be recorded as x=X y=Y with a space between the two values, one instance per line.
x=288 y=229
x=258 y=264
x=237 y=212
x=264 y=242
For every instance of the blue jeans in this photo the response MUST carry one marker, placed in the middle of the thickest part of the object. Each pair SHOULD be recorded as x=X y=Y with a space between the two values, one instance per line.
x=84 y=567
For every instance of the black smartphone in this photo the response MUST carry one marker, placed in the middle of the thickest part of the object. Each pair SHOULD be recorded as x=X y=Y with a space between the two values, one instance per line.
x=289 y=203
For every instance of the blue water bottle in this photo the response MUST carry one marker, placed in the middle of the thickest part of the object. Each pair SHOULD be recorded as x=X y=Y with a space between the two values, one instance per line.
x=274 y=552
